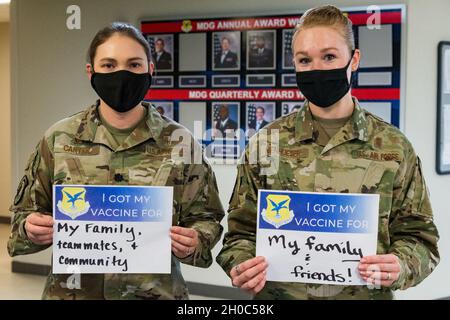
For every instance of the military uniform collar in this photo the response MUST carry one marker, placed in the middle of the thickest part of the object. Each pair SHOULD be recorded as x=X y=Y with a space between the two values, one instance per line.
x=92 y=130
x=304 y=124
x=357 y=128
x=359 y=122
x=90 y=121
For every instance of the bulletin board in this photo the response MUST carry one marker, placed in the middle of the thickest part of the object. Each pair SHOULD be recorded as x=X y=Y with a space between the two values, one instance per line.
x=213 y=78
x=443 y=109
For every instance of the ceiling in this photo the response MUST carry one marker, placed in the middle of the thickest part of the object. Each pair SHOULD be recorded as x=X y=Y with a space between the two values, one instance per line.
x=4 y=12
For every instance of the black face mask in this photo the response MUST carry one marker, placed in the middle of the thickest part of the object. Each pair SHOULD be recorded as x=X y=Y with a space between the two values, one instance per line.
x=324 y=87
x=121 y=90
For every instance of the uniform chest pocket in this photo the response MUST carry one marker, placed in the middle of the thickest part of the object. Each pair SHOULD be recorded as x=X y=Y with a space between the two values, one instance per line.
x=355 y=176
x=279 y=175
x=162 y=172
x=372 y=177
x=153 y=169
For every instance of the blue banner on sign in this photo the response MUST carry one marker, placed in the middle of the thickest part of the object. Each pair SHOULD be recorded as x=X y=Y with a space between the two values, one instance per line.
x=319 y=212
x=111 y=203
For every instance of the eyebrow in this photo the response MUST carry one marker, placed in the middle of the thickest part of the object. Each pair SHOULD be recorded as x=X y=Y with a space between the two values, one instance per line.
x=136 y=58
x=305 y=53
x=108 y=59
x=114 y=60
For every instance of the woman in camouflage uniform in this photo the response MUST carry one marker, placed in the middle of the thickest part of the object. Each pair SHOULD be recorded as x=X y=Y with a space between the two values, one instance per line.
x=332 y=145
x=120 y=141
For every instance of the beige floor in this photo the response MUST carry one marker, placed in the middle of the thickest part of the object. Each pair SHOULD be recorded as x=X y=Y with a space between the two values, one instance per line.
x=14 y=286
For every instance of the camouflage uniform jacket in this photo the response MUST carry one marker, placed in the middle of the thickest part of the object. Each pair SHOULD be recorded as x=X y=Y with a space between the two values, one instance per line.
x=367 y=155
x=80 y=150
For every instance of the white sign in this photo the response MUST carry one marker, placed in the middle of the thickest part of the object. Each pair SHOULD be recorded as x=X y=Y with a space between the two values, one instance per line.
x=111 y=229
x=316 y=237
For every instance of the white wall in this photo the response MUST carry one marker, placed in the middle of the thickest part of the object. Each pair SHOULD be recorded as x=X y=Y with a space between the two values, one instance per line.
x=49 y=83
x=5 y=119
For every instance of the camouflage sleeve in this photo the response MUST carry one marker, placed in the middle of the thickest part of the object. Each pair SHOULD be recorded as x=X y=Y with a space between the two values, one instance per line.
x=414 y=235
x=34 y=194
x=239 y=243
x=201 y=210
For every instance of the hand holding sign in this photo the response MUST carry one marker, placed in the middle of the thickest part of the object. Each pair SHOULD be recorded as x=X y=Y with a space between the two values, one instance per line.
x=184 y=241
x=250 y=275
x=39 y=228
x=383 y=269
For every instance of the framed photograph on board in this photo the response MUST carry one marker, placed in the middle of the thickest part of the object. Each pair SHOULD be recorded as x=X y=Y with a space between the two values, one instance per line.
x=225 y=120
x=443 y=110
x=258 y=115
x=226 y=50
x=165 y=108
x=288 y=58
x=261 y=49
x=291 y=106
x=161 y=46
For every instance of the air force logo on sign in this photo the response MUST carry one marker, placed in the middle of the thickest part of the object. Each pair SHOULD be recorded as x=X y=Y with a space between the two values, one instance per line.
x=73 y=203
x=277 y=212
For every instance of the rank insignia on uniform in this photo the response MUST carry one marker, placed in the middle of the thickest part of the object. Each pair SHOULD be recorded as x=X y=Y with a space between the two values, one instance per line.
x=73 y=203
x=277 y=212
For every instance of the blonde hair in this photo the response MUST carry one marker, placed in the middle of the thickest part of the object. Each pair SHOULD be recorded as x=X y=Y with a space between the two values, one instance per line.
x=330 y=16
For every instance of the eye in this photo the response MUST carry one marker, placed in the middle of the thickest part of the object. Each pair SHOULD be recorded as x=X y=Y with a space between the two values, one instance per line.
x=135 y=65
x=329 y=57
x=108 y=65
x=304 y=60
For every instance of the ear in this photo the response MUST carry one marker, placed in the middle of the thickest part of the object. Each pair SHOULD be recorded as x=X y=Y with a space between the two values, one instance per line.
x=89 y=70
x=356 y=60
x=151 y=68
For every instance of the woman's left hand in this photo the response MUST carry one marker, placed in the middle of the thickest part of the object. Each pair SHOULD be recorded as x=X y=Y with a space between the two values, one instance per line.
x=383 y=269
x=184 y=241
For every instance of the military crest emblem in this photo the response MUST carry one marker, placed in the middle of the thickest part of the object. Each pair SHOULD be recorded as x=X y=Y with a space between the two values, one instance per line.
x=277 y=212
x=186 y=26
x=73 y=203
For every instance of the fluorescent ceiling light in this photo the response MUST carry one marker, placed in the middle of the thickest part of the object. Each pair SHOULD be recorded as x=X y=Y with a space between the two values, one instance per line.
x=5 y=1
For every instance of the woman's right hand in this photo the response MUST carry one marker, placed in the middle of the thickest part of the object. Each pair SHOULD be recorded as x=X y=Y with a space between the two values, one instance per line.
x=250 y=275
x=39 y=228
